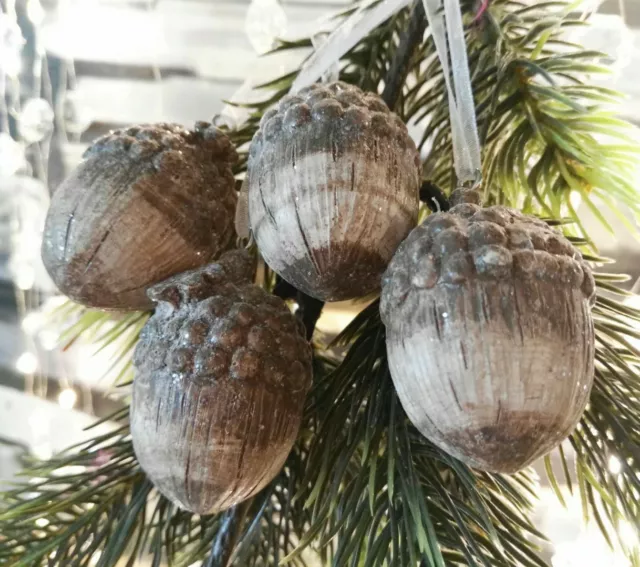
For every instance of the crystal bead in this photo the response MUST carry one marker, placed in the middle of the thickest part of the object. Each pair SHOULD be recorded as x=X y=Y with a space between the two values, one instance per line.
x=36 y=120
x=266 y=21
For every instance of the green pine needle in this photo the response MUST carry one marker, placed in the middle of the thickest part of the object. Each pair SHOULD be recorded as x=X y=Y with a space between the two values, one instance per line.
x=362 y=487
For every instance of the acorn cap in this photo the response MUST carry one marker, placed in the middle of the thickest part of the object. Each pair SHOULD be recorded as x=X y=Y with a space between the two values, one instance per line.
x=320 y=111
x=146 y=202
x=222 y=371
x=216 y=313
x=470 y=243
x=333 y=189
x=489 y=334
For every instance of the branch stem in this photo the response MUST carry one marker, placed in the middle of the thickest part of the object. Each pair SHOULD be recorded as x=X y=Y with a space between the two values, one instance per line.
x=433 y=197
x=227 y=537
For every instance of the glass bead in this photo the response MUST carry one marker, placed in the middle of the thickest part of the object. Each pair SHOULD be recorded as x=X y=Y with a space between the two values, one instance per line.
x=36 y=120
x=265 y=22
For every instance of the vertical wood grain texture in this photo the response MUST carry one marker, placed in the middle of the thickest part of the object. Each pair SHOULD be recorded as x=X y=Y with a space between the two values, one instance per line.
x=496 y=385
x=489 y=334
x=222 y=371
x=333 y=190
x=146 y=203
x=210 y=446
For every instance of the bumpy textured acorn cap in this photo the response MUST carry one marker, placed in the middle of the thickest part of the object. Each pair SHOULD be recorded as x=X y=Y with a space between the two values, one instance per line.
x=222 y=370
x=333 y=189
x=213 y=324
x=315 y=113
x=471 y=243
x=489 y=334
x=147 y=202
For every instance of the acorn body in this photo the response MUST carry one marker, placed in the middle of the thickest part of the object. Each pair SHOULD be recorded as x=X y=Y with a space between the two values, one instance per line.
x=489 y=334
x=145 y=203
x=222 y=371
x=333 y=189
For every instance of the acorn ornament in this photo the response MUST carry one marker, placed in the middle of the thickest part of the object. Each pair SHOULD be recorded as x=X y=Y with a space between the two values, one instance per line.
x=146 y=202
x=333 y=189
x=489 y=334
x=222 y=369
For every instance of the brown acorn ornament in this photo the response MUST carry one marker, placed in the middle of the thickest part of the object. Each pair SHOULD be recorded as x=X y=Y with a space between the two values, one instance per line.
x=489 y=334
x=333 y=189
x=222 y=369
x=146 y=202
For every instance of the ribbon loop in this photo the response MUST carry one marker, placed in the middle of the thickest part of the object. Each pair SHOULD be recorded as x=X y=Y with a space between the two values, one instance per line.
x=354 y=28
x=333 y=72
x=445 y=23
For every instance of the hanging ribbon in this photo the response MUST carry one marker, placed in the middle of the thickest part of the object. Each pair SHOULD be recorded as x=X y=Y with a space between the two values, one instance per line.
x=333 y=72
x=448 y=35
x=356 y=27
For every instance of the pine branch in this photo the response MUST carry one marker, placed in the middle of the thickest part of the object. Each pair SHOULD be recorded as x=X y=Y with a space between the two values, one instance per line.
x=63 y=514
x=376 y=483
x=547 y=135
x=409 y=42
x=530 y=128
x=362 y=486
x=225 y=540
x=102 y=330
x=94 y=504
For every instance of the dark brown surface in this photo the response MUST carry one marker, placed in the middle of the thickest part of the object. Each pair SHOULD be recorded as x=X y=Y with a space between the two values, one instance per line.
x=222 y=371
x=517 y=440
x=147 y=202
x=358 y=272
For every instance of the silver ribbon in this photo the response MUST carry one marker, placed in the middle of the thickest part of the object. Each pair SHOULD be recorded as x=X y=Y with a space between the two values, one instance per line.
x=445 y=22
x=354 y=28
x=448 y=35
